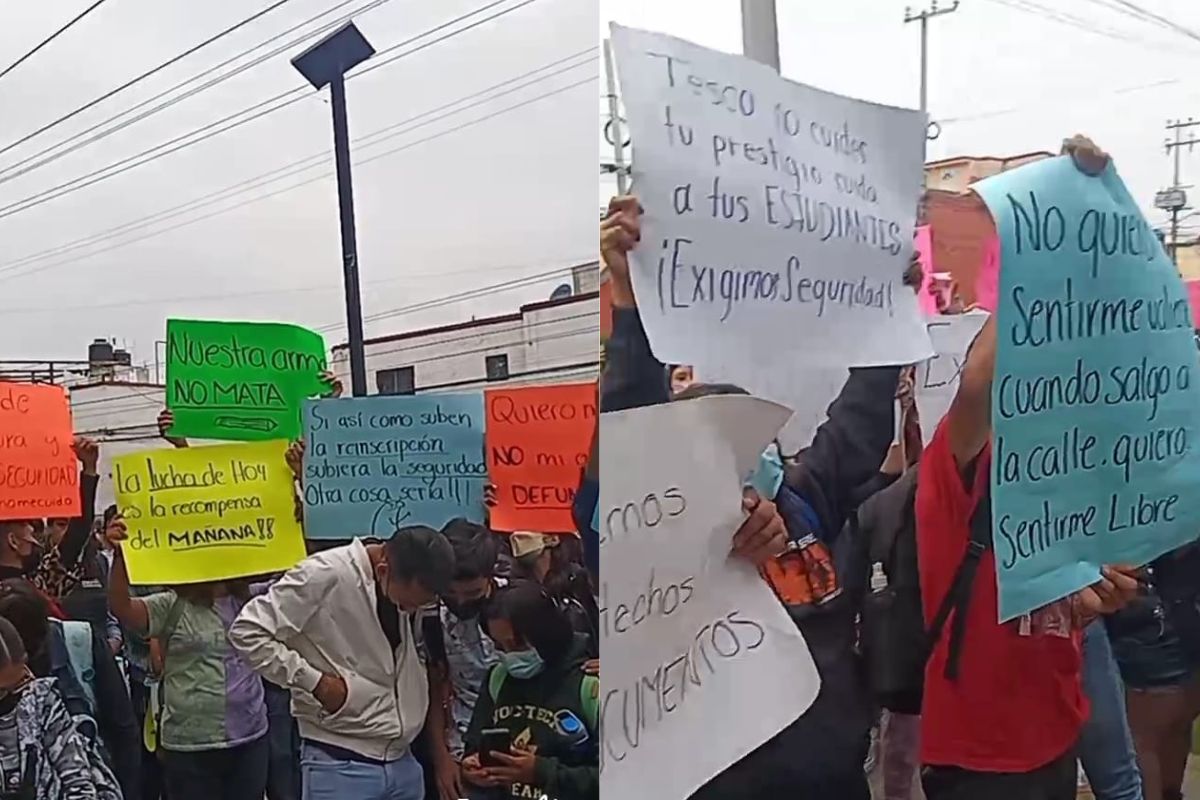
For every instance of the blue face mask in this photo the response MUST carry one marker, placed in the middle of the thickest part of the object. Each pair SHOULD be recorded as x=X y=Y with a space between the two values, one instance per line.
x=768 y=477
x=523 y=663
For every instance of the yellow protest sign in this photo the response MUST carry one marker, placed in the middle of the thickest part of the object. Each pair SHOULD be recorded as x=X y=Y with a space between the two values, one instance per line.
x=208 y=513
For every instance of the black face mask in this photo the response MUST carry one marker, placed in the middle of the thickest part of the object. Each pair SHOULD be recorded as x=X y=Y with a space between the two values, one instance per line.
x=468 y=610
x=30 y=562
x=11 y=697
x=9 y=701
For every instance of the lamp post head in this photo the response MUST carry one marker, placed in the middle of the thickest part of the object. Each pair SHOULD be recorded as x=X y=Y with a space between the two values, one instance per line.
x=333 y=56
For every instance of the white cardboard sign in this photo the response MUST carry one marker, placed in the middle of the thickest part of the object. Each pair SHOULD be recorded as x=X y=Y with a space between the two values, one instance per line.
x=937 y=378
x=808 y=391
x=702 y=664
x=778 y=217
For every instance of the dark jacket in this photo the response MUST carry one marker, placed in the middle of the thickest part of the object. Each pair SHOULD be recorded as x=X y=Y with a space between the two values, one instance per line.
x=88 y=599
x=118 y=728
x=57 y=570
x=830 y=739
x=532 y=710
x=584 y=510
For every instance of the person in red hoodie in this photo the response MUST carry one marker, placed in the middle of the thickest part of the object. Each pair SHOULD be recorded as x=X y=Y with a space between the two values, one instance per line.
x=1004 y=720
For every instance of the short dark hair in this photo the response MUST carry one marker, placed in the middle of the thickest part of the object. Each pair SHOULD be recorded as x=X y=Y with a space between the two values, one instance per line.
x=27 y=610
x=7 y=525
x=708 y=390
x=12 y=649
x=535 y=618
x=420 y=553
x=475 y=549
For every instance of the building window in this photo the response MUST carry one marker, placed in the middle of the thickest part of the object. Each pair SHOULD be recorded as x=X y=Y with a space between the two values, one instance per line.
x=395 y=381
x=497 y=367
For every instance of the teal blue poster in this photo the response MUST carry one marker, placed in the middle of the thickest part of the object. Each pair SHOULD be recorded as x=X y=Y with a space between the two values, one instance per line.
x=1095 y=400
x=375 y=464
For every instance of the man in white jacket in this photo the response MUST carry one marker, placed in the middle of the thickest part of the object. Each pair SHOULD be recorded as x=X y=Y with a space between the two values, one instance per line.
x=340 y=632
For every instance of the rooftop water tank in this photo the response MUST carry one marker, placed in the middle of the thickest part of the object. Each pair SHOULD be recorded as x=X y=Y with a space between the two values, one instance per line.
x=100 y=351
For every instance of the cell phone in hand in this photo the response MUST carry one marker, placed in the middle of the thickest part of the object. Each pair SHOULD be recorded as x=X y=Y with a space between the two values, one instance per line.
x=493 y=740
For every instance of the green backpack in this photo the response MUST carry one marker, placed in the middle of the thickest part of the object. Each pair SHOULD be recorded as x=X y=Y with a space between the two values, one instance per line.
x=589 y=694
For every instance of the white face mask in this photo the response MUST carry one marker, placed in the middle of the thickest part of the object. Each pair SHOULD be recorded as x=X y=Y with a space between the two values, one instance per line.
x=523 y=663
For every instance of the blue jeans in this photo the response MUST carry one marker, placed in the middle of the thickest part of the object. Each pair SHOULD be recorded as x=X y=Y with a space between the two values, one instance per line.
x=329 y=778
x=1105 y=746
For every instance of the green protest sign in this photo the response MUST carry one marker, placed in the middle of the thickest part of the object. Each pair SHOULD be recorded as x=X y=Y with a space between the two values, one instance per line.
x=241 y=381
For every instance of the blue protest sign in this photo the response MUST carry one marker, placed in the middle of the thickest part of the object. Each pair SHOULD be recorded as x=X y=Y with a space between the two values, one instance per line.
x=374 y=464
x=1095 y=401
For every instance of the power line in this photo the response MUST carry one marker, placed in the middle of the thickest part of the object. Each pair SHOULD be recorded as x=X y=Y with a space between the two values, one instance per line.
x=260 y=109
x=491 y=348
x=1113 y=6
x=327 y=287
x=1080 y=23
x=126 y=433
x=51 y=37
x=296 y=167
x=518 y=328
x=427 y=305
x=322 y=176
x=211 y=129
x=134 y=81
x=436 y=303
x=1165 y=22
x=470 y=294
x=20 y=168
x=1076 y=97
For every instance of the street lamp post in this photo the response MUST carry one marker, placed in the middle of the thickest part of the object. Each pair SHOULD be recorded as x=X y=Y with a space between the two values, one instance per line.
x=326 y=63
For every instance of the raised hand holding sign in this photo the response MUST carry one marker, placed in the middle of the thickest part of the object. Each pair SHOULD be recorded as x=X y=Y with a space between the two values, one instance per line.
x=1095 y=399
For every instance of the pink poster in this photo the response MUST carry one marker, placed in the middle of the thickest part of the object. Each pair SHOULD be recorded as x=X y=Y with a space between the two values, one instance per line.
x=923 y=244
x=987 y=282
x=1193 y=290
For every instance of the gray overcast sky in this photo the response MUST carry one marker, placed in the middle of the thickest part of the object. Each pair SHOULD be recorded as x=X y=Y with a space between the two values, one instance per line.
x=507 y=198
x=989 y=57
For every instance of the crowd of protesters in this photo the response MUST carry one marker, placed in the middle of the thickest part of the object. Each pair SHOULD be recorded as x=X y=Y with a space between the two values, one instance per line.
x=952 y=704
x=456 y=662
x=448 y=663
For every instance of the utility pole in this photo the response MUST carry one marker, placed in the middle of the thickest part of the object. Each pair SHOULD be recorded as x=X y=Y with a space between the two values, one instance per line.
x=325 y=64
x=760 y=32
x=1174 y=199
x=614 y=122
x=923 y=17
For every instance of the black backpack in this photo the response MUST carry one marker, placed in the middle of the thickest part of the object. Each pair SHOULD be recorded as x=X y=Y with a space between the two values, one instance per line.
x=895 y=642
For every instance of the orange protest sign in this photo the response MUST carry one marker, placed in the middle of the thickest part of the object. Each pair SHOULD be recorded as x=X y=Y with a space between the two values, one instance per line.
x=38 y=473
x=537 y=440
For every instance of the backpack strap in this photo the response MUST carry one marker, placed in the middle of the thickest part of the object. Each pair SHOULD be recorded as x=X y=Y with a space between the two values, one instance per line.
x=174 y=614
x=496 y=681
x=77 y=636
x=589 y=701
x=29 y=777
x=958 y=597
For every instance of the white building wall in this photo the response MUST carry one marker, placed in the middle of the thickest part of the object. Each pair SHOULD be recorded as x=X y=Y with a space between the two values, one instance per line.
x=586 y=278
x=555 y=341
x=566 y=334
x=122 y=418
